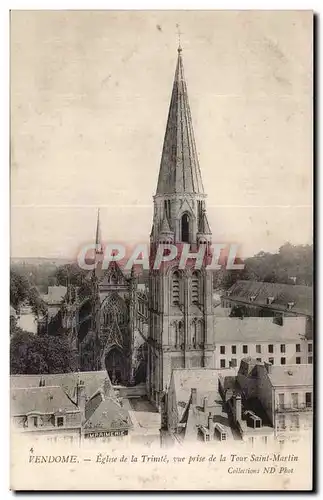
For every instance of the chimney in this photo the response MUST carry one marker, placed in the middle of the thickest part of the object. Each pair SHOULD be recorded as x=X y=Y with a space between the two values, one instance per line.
x=205 y=404
x=237 y=410
x=210 y=421
x=80 y=398
x=194 y=396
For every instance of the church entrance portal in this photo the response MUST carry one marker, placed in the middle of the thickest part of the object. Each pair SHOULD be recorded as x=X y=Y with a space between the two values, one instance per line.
x=116 y=366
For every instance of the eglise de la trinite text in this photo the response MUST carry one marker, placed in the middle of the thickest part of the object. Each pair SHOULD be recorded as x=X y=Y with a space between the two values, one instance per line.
x=268 y=457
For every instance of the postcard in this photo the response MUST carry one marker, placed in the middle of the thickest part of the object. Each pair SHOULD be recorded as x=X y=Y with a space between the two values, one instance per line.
x=161 y=274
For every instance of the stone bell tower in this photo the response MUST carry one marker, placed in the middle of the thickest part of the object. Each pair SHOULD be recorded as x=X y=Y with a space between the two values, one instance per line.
x=181 y=330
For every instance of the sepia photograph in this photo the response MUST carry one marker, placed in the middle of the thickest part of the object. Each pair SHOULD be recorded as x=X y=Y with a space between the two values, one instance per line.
x=161 y=253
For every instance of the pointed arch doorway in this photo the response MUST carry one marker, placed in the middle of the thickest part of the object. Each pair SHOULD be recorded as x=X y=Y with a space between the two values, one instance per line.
x=116 y=366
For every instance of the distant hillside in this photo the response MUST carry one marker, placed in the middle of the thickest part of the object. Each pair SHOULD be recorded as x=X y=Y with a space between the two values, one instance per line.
x=292 y=264
x=36 y=261
x=39 y=272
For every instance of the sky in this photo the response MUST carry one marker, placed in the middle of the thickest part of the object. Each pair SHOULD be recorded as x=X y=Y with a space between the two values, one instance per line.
x=90 y=92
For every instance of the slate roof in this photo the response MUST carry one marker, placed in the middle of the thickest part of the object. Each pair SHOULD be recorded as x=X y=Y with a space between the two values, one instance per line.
x=301 y=295
x=102 y=409
x=40 y=399
x=67 y=381
x=204 y=380
x=255 y=329
x=109 y=415
x=291 y=375
x=179 y=168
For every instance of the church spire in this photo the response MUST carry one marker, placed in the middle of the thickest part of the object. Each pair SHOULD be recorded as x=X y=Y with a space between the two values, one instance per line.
x=179 y=168
x=98 y=241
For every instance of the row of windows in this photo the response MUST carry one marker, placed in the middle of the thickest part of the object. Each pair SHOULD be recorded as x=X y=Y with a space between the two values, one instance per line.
x=294 y=401
x=38 y=421
x=270 y=348
x=251 y=440
x=294 y=422
x=233 y=361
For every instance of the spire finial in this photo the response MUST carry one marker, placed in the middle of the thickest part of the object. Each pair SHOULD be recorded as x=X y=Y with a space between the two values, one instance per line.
x=179 y=50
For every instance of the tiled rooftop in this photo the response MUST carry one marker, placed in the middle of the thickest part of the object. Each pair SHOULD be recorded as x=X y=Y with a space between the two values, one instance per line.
x=254 y=329
x=40 y=399
x=291 y=375
x=259 y=292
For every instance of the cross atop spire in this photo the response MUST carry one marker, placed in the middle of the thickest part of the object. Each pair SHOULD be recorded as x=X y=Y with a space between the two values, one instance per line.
x=179 y=38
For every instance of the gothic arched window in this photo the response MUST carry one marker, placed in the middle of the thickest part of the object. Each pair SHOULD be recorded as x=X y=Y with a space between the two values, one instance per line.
x=195 y=288
x=185 y=228
x=175 y=288
x=113 y=310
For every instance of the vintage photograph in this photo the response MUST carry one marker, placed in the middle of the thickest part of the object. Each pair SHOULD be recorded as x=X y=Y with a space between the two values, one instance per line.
x=161 y=271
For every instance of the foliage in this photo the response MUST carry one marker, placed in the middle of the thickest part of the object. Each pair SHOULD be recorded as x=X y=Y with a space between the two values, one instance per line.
x=32 y=354
x=70 y=274
x=290 y=263
x=21 y=291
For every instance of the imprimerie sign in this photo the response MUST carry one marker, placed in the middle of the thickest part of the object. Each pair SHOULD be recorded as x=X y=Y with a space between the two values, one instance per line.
x=103 y=434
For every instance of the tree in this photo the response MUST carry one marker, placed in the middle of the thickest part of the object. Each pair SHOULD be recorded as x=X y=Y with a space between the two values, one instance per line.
x=32 y=354
x=70 y=274
x=18 y=289
x=22 y=291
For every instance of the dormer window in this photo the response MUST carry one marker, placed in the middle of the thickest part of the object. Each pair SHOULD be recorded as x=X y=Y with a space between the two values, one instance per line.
x=33 y=421
x=252 y=298
x=290 y=305
x=270 y=300
x=60 y=421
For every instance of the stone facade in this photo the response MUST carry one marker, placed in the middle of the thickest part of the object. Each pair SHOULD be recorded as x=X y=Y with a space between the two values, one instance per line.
x=181 y=329
x=107 y=323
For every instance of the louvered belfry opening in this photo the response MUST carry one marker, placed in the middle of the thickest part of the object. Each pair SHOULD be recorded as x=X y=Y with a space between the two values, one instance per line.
x=175 y=288
x=195 y=289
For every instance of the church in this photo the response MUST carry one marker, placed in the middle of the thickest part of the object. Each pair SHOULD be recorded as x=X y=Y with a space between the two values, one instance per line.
x=141 y=334
x=181 y=321
x=107 y=321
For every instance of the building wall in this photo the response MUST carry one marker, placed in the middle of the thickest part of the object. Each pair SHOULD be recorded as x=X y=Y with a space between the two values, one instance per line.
x=265 y=392
x=258 y=439
x=48 y=431
x=290 y=423
x=182 y=334
x=28 y=322
x=291 y=355
x=47 y=422
x=288 y=399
